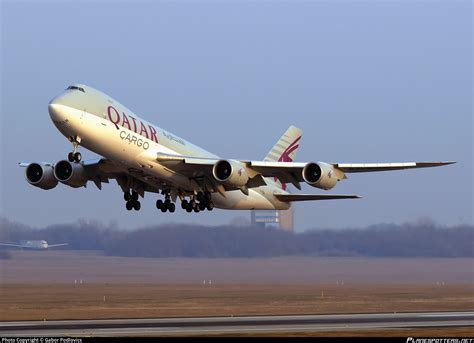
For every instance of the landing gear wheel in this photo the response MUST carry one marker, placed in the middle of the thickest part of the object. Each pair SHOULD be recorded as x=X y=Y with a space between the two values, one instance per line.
x=184 y=204
x=77 y=157
x=137 y=206
x=196 y=209
x=134 y=196
x=200 y=196
x=129 y=205
x=189 y=209
x=202 y=206
x=165 y=206
x=159 y=203
x=172 y=207
x=210 y=206
x=127 y=196
x=70 y=157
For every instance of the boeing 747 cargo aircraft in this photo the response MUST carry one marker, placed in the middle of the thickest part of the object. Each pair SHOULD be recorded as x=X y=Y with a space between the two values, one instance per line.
x=142 y=158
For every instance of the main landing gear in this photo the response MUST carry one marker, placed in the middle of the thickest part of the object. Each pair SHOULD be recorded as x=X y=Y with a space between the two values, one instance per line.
x=132 y=201
x=74 y=155
x=197 y=203
x=166 y=205
x=203 y=202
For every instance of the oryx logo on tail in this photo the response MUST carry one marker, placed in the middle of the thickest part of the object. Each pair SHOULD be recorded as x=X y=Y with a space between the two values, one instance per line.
x=285 y=149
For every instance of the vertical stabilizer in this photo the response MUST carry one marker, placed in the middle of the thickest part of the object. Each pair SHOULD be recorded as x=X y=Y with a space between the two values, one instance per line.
x=285 y=149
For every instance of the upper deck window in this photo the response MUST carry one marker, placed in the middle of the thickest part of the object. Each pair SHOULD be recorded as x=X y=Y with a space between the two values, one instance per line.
x=78 y=88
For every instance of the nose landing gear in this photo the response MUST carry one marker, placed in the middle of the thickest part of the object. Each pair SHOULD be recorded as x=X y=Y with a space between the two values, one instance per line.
x=74 y=155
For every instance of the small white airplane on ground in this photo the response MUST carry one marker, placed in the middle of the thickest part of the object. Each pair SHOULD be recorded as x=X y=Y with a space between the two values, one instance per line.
x=33 y=245
x=142 y=157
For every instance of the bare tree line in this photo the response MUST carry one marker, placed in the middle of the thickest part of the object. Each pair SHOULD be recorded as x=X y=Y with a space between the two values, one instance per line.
x=421 y=239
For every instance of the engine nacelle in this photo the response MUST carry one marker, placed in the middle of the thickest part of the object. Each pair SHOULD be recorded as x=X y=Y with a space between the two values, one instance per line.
x=230 y=172
x=71 y=174
x=320 y=175
x=41 y=175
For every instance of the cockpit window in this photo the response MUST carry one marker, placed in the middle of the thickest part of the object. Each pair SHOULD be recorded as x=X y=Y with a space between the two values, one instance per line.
x=77 y=88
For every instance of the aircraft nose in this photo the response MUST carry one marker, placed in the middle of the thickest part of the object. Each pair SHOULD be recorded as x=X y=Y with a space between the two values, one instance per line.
x=56 y=110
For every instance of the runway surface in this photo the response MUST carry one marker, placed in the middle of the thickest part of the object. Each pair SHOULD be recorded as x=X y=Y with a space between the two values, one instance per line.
x=235 y=325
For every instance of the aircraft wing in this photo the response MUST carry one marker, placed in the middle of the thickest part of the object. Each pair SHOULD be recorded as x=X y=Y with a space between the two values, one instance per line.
x=306 y=197
x=200 y=170
x=195 y=166
x=12 y=245
x=101 y=170
x=57 y=245
x=98 y=170
x=291 y=172
x=285 y=172
x=288 y=171
x=375 y=167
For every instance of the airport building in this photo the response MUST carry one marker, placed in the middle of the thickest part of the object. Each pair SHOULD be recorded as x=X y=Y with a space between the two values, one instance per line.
x=282 y=219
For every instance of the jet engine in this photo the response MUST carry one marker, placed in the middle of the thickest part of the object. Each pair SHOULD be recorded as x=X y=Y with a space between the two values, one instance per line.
x=41 y=175
x=71 y=174
x=320 y=175
x=230 y=172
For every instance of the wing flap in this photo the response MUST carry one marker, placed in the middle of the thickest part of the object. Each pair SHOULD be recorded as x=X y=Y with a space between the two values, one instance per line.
x=186 y=159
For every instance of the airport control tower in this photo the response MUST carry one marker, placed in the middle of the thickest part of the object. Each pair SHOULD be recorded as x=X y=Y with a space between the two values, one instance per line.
x=283 y=219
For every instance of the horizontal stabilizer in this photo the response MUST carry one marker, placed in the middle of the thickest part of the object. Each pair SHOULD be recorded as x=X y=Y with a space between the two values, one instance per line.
x=307 y=197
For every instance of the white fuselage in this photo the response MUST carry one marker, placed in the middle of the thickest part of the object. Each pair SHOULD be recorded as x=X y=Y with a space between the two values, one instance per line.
x=108 y=128
x=34 y=245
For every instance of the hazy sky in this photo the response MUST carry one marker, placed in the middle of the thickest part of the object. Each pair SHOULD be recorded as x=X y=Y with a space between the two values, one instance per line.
x=371 y=81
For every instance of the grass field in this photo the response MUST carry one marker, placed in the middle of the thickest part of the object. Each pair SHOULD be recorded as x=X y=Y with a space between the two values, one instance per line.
x=86 y=301
x=47 y=286
x=33 y=267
